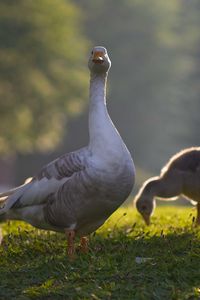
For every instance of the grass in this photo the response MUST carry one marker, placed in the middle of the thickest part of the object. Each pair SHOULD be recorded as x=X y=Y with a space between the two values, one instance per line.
x=34 y=265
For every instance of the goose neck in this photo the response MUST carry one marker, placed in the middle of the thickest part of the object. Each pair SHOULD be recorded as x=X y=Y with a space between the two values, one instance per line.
x=98 y=89
x=100 y=127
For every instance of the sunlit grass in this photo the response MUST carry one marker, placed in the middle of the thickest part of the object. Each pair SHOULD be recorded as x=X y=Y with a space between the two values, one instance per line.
x=34 y=264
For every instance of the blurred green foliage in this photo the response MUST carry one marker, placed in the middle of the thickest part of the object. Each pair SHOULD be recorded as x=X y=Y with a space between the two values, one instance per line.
x=43 y=77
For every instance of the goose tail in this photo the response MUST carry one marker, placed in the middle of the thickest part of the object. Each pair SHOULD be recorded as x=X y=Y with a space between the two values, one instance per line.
x=4 y=195
x=10 y=198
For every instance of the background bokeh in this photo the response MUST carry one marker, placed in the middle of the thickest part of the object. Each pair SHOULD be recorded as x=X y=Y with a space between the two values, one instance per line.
x=153 y=88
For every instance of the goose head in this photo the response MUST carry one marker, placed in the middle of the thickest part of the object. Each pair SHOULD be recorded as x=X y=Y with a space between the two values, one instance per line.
x=99 y=61
x=145 y=207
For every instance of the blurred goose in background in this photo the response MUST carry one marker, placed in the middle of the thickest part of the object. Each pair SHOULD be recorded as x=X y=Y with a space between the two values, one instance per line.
x=180 y=176
x=77 y=192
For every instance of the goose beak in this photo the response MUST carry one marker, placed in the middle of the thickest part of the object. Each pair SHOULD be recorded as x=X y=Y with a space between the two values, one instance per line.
x=146 y=219
x=98 y=57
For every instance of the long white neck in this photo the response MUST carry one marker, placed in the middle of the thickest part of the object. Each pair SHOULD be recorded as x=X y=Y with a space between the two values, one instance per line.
x=102 y=132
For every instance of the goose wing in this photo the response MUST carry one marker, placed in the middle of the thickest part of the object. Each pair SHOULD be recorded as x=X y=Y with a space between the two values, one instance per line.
x=47 y=181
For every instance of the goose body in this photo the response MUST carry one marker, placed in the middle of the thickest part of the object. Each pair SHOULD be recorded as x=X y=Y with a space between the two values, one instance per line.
x=79 y=190
x=180 y=176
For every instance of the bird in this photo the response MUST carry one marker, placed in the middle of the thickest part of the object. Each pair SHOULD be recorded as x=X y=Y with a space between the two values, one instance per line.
x=179 y=177
x=77 y=192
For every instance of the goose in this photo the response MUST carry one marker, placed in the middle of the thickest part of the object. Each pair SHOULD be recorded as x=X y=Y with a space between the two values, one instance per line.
x=179 y=177
x=78 y=191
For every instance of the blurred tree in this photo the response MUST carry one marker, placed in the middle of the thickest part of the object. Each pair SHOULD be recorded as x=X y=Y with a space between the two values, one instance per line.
x=43 y=78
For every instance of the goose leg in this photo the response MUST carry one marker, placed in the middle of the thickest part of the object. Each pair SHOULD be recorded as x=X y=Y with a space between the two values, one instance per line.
x=84 y=244
x=198 y=214
x=70 y=235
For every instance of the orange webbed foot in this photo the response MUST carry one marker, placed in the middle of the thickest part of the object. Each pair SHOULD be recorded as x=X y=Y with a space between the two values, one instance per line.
x=70 y=235
x=84 y=245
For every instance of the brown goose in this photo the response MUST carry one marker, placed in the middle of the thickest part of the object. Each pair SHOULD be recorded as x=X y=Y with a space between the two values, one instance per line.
x=180 y=176
x=77 y=192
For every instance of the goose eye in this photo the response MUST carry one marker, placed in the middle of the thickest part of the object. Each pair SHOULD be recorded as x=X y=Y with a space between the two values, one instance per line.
x=92 y=52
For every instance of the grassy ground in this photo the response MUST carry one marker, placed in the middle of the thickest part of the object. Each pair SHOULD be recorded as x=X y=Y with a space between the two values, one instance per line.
x=33 y=263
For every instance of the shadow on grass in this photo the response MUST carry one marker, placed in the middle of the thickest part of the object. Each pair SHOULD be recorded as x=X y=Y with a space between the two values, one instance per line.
x=34 y=265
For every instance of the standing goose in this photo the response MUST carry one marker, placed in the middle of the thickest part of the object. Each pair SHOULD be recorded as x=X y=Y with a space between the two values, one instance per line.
x=77 y=192
x=180 y=176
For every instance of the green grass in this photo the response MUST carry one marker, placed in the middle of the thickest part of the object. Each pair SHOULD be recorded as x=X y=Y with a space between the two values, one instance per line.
x=34 y=265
